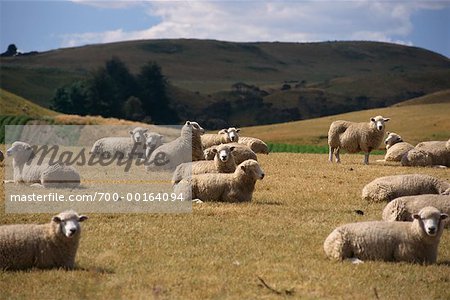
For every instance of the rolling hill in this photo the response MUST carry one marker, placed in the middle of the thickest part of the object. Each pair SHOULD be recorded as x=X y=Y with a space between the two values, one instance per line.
x=298 y=80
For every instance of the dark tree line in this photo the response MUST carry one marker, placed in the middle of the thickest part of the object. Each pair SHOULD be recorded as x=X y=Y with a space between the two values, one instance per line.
x=112 y=91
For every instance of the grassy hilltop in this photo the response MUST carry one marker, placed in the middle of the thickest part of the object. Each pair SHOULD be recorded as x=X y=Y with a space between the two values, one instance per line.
x=296 y=80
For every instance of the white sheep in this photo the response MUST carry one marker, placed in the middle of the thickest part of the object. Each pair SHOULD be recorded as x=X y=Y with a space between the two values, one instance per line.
x=120 y=147
x=152 y=141
x=256 y=145
x=415 y=242
x=403 y=208
x=241 y=152
x=390 y=187
x=224 y=136
x=51 y=245
x=186 y=148
x=395 y=147
x=234 y=187
x=30 y=169
x=223 y=163
x=432 y=153
x=356 y=137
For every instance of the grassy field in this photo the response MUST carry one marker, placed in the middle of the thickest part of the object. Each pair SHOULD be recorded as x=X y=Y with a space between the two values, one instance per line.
x=415 y=123
x=219 y=251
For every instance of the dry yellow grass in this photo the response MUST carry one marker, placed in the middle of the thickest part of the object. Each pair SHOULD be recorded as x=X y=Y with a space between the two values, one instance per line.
x=415 y=123
x=219 y=250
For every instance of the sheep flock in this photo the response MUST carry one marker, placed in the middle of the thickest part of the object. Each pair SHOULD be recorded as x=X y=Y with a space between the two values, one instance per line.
x=224 y=167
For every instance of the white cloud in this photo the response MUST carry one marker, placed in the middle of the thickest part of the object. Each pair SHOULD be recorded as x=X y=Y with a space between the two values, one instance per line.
x=295 y=21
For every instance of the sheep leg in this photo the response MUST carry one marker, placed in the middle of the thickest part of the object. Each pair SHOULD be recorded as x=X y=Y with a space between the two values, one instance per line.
x=38 y=185
x=336 y=153
x=8 y=181
x=366 y=158
x=330 y=158
x=355 y=260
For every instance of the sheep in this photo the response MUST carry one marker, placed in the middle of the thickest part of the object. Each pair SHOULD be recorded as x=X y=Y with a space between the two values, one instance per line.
x=234 y=187
x=403 y=208
x=395 y=147
x=390 y=187
x=121 y=146
x=415 y=242
x=240 y=153
x=186 y=148
x=355 y=137
x=38 y=173
x=152 y=141
x=224 y=136
x=256 y=145
x=433 y=153
x=51 y=245
x=223 y=163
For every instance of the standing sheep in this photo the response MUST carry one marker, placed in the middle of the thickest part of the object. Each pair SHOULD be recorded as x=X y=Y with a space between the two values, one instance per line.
x=223 y=163
x=224 y=136
x=403 y=208
x=433 y=153
x=234 y=187
x=355 y=137
x=121 y=146
x=28 y=169
x=51 y=245
x=415 y=242
x=395 y=147
x=390 y=187
x=186 y=148
x=240 y=153
x=257 y=145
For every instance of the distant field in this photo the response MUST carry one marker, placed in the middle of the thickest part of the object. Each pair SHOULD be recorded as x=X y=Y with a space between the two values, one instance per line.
x=414 y=123
x=12 y=104
x=437 y=97
x=220 y=250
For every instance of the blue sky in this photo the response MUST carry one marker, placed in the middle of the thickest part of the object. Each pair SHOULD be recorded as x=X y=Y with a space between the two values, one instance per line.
x=44 y=25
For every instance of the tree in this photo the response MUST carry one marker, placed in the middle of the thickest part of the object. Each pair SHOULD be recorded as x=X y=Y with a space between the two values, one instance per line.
x=11 y=51
x=133 y=109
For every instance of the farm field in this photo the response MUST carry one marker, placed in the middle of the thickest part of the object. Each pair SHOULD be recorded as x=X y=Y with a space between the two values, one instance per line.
x=222 y=251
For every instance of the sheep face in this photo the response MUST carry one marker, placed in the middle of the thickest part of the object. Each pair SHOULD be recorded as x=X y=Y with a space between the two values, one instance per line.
x=68 y=223
x=138 y=134
x=392 y=139
x=195 y=127
x=252 y=168
x=223 y=152
x=19 y=148
x=429 y=219
x=378 y=122
x=232 y=134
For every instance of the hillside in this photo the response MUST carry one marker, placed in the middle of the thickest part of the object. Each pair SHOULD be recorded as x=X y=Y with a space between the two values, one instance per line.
x=12 y=104
x=299 y=80
x=415 y=123
x=437 y=97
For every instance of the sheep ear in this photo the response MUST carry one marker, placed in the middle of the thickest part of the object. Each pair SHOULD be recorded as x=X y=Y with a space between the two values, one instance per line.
x=130 y=132
x=372 y=119
x=416 y=216
x=82 y=218
x=223 y=131
x=188 y=122
x=214 y=150
x=243 y=168
x=444 y=216
x=232 y=148
x=56 y=219
x=238 y=130
x=386 y=119
x=388 y=133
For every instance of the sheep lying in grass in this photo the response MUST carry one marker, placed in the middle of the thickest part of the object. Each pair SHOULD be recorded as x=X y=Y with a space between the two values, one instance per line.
x=355 y=137
x=186 y=148
x=223 y=163
x=234 y=187
x=121 y=146
x=240 y=153
x=152 y=141
x=51 y=245
x=256 y=145
x=433 y=153
x=29 y=170
x=415 y=242
x=224 y=136
x=403 y=208
x=395 y=147
x=390 y=187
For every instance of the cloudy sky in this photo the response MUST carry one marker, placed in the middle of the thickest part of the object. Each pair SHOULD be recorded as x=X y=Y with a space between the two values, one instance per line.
x=44 y=25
